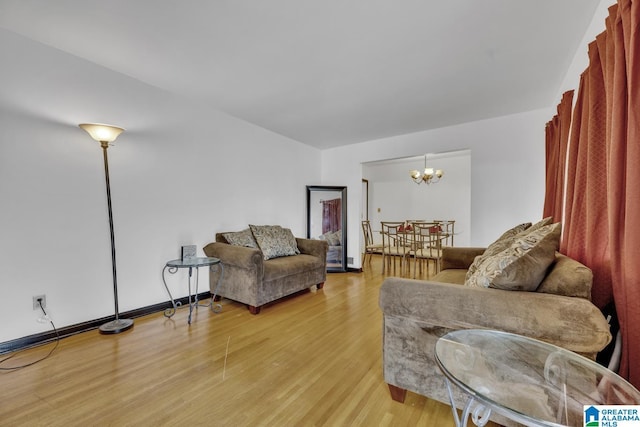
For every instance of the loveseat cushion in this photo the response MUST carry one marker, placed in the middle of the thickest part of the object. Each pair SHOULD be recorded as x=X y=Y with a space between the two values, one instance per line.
x=280 y=267
x=523 y=265
x=274 y=241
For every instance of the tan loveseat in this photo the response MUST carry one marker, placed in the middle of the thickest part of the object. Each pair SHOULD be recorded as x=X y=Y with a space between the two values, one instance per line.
x=416 y=313
x=250 y=279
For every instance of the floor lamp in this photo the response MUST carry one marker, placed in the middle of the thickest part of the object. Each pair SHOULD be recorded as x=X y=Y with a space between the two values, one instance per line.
x=106 y=134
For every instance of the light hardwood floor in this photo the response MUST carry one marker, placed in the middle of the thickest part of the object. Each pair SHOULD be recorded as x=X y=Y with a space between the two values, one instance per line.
x=311 y=360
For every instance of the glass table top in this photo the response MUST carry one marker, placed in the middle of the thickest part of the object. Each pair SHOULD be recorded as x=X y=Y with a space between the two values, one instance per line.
x=533 y=381
x=192 y=262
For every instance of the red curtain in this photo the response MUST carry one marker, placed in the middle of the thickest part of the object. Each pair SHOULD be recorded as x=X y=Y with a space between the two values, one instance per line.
x=557 y=137
x=602 y=205
x=331 y=215
x=586 y=233
x=624 y=185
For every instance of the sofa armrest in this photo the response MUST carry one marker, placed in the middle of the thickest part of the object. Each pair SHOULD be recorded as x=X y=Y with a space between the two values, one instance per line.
x=572 y=323
x=317 y=248
x=459 y=257
x=237 y=256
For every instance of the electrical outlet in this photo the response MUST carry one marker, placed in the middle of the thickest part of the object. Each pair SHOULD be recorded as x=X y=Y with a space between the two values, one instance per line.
x=36 y=303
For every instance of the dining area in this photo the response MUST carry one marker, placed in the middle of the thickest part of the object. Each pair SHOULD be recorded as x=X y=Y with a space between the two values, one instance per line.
x=408 y=248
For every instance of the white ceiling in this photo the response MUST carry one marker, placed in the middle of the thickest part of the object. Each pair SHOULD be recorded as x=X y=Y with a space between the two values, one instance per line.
x=326 y=72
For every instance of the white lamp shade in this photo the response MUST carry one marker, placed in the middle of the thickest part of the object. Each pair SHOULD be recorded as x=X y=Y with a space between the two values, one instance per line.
x=100 y=132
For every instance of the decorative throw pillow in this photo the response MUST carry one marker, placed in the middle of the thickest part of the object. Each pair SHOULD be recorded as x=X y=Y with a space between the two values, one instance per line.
x=506 y=239
x=330 y=237
x=274 y=241
x=537 y=225
x=500 y=244
x=241 y=238
x=523 y=265
x=337 y=235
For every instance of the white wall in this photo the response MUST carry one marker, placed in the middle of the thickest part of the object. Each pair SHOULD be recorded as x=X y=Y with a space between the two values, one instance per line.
x=507 y=170
x=180 y=173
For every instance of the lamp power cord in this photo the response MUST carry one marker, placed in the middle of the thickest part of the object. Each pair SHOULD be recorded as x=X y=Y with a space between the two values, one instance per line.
x=42 y=319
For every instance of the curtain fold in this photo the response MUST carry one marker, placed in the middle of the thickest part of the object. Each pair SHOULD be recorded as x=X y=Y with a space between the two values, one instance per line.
x=551 y=166
x=557 y=137
x=602 y=201
x=586 y=233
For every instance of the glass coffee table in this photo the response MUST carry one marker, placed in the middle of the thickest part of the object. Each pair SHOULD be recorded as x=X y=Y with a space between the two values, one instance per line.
x=525 y=380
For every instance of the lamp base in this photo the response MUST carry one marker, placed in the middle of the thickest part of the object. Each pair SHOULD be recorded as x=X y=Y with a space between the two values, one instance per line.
x=116 y=326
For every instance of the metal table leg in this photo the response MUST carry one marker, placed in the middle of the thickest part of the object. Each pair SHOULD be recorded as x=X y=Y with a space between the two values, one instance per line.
x=169 y=312
x=479 y=413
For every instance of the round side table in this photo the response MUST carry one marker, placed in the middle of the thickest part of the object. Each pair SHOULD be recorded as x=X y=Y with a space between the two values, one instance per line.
x=193 y=264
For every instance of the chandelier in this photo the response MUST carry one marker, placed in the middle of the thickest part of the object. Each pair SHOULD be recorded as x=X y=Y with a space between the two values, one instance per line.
x=429 y=175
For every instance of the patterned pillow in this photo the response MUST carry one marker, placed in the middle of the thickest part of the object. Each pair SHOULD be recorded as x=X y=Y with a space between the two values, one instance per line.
x=241 y=238
x=500 y=244
x=523 y=265
x=274 y=241
x=338 y=235
x=506 y=239
x=536 y=226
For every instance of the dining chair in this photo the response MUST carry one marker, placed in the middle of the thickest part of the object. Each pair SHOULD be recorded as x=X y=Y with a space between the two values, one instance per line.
x=370 y=248
x=394 y=246
x=447 y=228
x=427 y=239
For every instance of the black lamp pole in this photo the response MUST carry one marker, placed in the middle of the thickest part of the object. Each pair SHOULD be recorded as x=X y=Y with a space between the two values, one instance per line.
x=117 y=325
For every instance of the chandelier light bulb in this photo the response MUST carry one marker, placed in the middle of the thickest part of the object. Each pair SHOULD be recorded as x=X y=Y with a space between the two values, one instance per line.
x=429 y=175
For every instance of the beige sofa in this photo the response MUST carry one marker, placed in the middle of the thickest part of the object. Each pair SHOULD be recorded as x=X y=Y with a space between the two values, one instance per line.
x=251 y=279
x=416 y=313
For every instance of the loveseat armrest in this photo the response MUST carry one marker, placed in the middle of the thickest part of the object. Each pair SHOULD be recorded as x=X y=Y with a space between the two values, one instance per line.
x=317 y=248
x=572 y=323
x=459 y=257
x=238 y=256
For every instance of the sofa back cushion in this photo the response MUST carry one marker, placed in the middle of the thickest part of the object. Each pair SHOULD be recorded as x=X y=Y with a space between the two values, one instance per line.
x=567 y=277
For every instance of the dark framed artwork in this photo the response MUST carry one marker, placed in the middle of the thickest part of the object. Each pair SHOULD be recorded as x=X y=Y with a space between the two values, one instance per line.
x=327 y=220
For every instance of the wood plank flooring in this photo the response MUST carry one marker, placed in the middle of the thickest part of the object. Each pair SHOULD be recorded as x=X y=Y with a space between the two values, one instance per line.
x=314 y=359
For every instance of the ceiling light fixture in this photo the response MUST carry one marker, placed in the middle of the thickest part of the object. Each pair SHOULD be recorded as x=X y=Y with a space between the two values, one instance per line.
x=429 y=175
